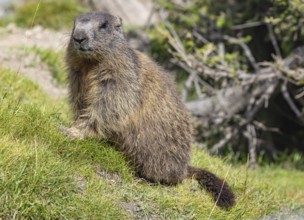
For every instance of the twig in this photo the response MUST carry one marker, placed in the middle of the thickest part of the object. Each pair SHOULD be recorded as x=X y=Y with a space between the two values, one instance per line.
x=188 y=84
x=252 y=139
x=251 y=112
x=291 y=104
x=197 y=88
x=263 y=127
x=274 y=40
x=172 y=31
x=300 y=95
x=246 y=49
x=178 y=48
x=218 y=146
x=209 y=89
x=221 y=48
x=200 y=37
x=149 y=20
x=248 y=25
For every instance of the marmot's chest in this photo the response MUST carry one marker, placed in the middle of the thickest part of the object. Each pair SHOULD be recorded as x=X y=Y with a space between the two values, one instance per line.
x=96 y=85
x=87 y=88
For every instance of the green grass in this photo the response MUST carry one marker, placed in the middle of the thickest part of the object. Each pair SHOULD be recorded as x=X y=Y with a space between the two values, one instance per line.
x=45 y=176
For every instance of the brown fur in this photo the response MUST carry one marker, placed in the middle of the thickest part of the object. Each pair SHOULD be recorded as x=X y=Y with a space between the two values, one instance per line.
x=120 y=94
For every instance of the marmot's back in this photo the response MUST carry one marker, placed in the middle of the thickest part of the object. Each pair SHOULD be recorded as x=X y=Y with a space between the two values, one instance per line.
x=159 y=132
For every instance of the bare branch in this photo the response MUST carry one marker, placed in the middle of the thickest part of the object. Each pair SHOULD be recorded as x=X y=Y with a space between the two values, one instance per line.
x=197 y=88
x=208 y=87
x=251 y=112
x=222 y=143
x=263 y=127
x=248 y=25
x=188 y=84
x=252 y=144
x=246 y=49
x=172 y=31
x=149 y=20
x=200 y=37
x=291 y=104
x=274 y=40
x=300 y=95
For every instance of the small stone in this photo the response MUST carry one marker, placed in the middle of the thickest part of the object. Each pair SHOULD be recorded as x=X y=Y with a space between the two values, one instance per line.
x=11 y=28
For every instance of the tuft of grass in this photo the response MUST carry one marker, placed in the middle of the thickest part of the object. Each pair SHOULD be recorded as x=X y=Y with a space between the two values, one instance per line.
x=45 y=176
x=54 y=14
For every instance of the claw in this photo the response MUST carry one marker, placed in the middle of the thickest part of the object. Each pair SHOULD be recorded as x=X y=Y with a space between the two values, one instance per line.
x=71 y=133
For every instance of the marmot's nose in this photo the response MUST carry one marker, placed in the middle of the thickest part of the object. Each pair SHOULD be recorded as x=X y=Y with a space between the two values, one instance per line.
x=79 y=39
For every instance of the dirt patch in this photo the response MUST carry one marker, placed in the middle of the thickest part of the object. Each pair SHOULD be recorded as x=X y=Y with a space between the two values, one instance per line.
x=12 y=36
x=287 y=214
x=112 y=177
x=80 y=182
x=138 y=211
x=30 y=65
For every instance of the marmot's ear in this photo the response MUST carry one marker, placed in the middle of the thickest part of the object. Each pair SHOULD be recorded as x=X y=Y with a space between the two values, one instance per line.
x=120 y=23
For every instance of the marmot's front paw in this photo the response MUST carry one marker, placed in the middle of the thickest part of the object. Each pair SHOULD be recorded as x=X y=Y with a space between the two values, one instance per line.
x=72 y=133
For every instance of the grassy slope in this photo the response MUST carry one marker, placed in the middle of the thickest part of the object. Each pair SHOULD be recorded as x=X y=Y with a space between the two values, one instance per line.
x=43 y=175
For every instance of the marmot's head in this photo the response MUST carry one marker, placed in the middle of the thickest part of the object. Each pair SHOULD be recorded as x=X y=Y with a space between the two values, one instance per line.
x=96 y=34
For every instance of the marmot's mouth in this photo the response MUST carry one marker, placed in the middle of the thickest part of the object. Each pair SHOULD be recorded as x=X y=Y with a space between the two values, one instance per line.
x=84 y=49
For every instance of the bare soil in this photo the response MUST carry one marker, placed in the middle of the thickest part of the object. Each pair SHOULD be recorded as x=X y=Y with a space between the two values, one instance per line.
x=13 y=42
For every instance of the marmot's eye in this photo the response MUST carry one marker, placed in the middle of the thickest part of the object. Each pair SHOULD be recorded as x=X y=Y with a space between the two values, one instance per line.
x=103 y=25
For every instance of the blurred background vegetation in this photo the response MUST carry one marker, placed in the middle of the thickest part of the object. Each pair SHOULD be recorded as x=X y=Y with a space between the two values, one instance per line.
x=240 y=36
x=235 y=35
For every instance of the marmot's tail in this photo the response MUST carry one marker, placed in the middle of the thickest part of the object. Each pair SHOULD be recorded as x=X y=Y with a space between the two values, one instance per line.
x=219 y=189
